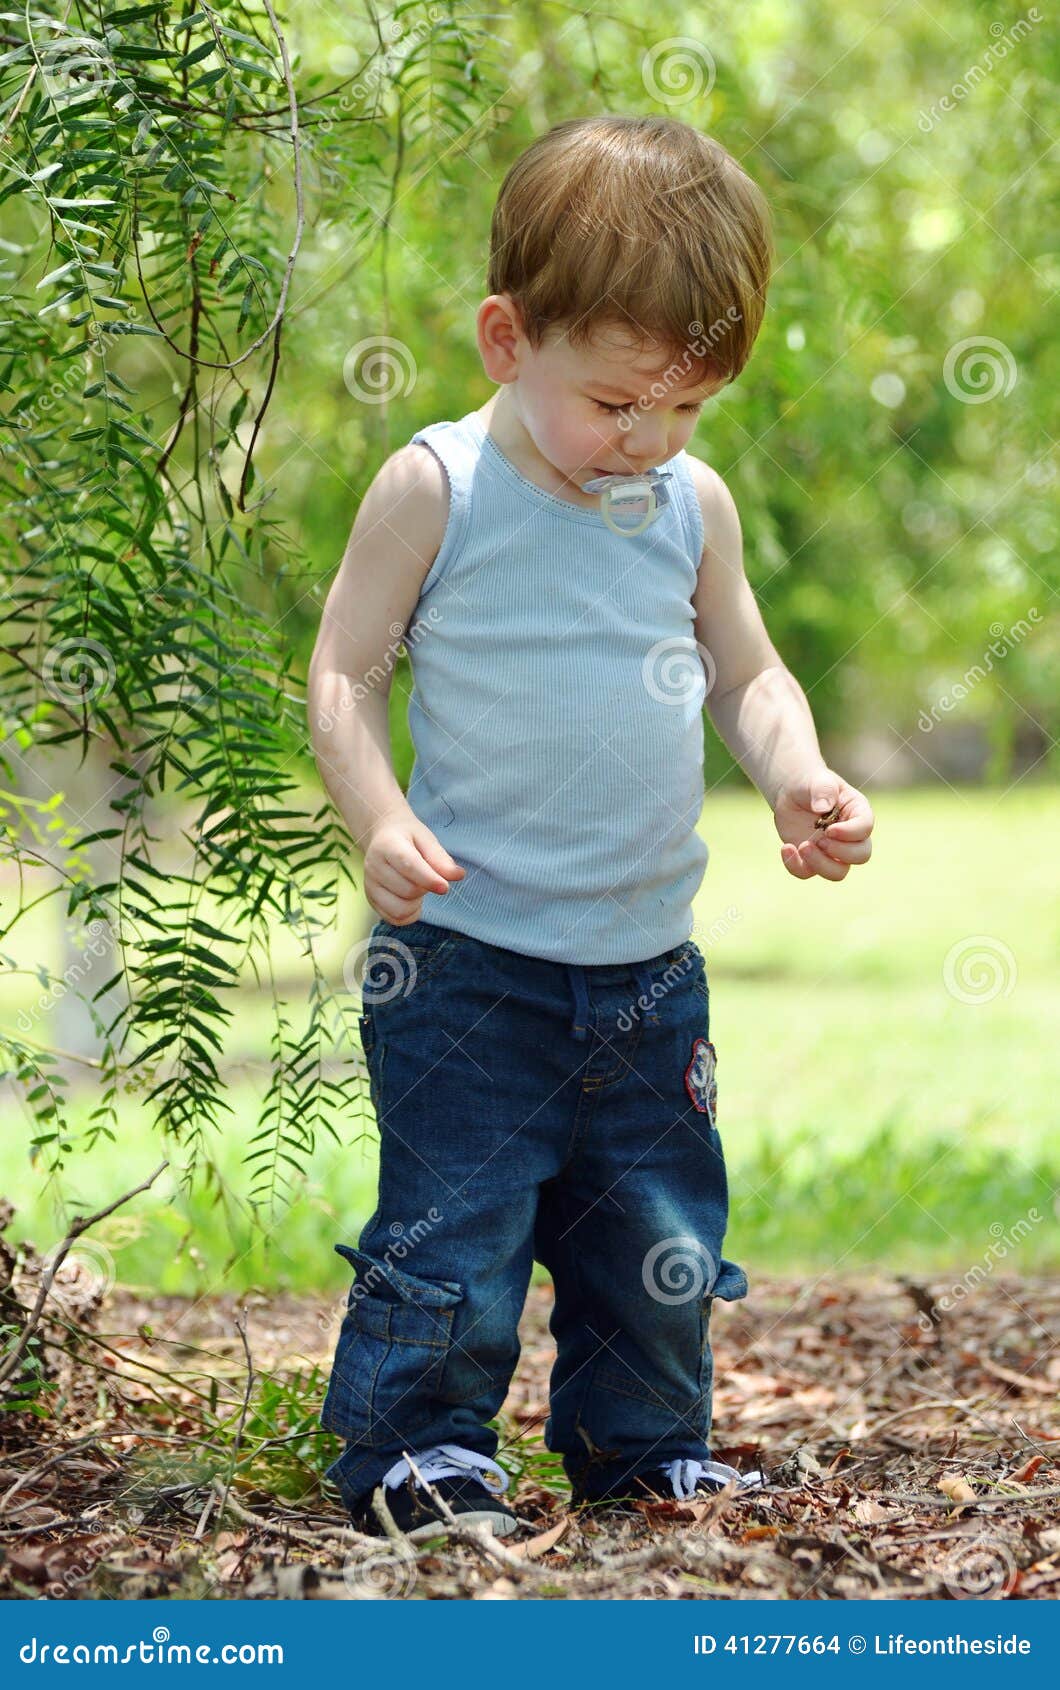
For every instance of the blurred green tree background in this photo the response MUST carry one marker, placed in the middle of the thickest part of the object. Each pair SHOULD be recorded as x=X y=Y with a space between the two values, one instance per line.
x=891 y=444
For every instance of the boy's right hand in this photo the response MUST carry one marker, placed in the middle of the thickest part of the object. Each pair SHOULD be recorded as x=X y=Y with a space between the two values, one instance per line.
x=402 y=861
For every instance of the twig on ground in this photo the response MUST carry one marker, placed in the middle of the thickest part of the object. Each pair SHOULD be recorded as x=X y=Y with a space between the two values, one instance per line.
x=344 y=1536
x=240 y=1324
x=207 y=1509
x=946 y=1503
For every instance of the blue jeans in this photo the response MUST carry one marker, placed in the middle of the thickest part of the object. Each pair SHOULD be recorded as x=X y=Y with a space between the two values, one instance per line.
x=530 y=1109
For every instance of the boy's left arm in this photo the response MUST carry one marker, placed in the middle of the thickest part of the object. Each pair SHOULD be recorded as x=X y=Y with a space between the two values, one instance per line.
x=759 y=708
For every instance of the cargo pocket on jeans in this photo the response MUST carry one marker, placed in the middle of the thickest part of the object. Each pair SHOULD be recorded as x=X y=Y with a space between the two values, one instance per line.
x=730 y=1283
x=390 y=1353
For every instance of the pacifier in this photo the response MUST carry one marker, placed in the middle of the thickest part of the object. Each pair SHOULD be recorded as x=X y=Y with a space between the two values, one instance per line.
x=630 y=502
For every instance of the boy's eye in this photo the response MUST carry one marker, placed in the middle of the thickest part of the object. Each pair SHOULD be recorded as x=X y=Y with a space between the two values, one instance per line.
x=612 y=410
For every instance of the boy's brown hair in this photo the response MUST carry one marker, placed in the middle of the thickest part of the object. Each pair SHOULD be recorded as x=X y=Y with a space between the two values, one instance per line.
x=640 y=223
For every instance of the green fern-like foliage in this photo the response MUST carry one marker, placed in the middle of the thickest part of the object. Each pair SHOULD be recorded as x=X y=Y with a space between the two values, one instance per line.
x=158 y=168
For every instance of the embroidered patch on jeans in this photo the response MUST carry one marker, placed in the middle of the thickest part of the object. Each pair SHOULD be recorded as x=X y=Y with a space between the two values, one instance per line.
x=700 y=1082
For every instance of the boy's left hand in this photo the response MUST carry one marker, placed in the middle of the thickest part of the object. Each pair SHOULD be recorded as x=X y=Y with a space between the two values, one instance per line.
x=828 y=851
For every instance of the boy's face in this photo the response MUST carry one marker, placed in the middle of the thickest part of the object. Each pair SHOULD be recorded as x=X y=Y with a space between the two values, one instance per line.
x=618 y=405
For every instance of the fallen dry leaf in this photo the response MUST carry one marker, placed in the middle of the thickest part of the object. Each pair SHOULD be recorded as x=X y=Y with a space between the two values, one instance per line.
x=1019 y=1380
x=532 y=1547
x=1026 y=1473
x=956 y=1488
x=868 y=1511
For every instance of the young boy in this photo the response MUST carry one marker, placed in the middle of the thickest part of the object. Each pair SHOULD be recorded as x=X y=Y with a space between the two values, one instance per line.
x=535 y=1016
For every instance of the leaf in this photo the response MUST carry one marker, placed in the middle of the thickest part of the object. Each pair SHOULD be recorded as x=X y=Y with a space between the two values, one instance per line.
x=534 y=1547
x=195 y=55
x=1019 y=1380
x=63 y=270
x=62 y=299
x=956 y=1488
x=1027 y=1472
x=189 y=23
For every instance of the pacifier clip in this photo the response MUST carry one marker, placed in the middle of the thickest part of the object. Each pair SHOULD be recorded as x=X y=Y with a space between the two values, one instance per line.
x=629 y=503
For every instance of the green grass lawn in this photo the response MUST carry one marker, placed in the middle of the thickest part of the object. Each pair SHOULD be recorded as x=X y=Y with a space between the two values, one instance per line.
x=879 y=1104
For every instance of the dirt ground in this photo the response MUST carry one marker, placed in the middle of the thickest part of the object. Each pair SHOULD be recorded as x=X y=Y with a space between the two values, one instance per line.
x=910 y=1453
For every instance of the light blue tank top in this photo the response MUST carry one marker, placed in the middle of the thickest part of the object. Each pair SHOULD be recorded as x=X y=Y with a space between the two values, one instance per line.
x=557 y=713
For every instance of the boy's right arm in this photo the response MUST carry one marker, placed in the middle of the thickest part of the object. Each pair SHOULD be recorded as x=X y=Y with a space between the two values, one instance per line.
x=393 y=543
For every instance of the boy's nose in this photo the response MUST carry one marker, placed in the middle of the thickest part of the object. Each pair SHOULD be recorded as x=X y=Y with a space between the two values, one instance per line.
x=650 y=451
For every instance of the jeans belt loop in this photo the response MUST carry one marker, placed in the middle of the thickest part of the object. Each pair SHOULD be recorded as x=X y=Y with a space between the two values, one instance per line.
x=642 y=976
x=576 y=975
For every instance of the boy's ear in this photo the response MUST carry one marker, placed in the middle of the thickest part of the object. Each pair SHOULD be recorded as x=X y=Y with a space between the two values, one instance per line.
x=500 y=335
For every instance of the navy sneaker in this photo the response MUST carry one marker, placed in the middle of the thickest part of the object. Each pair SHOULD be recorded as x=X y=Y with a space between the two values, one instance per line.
x=679 y=1480
x=685 y=1478
x=470 y=1483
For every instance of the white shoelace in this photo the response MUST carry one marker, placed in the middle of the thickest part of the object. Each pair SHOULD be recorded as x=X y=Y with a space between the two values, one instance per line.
x=446 y=1461
x=685 y=1471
